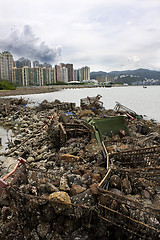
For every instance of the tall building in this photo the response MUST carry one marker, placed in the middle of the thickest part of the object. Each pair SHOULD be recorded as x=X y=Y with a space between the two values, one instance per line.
x=36 y=76
x=6 y=64
x=58 y=76
x=48 y=76
x=64 y=74
x=75 y=75
x=16 y=76
x=69 y=66
x=22 y=62
x=83 y=73
x=47 y=65
x=38 y=64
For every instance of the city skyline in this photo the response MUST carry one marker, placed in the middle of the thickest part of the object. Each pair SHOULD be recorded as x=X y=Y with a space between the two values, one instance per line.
x=105 y=35
x=22 y=73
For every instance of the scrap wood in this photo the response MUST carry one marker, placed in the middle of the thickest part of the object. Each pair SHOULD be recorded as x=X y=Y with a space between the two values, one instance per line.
x=69 y=157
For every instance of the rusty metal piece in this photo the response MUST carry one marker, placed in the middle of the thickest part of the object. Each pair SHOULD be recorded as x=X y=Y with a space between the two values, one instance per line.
x=91 y=102
x=148 y=156
x=139 y=218
x=3 y=184
x=139 y=157
x=63 y=134
x=67 y=129
x=121 y=108
x=107 y=154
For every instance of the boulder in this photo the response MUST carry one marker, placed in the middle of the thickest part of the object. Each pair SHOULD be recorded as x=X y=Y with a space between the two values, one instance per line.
x=60 y=201
x=87 y=178
x=105 y=199
x=126 y=185
x=92 y=149
x=115 y=182
x=117 y=192
x=76 y=189
x=156 y=201
x=50 y=188
x=145 y=194
x=74 y=179
x=64 y=184
x=96 y=177
x=85 y=198
x=94 y=189
x=63 y=118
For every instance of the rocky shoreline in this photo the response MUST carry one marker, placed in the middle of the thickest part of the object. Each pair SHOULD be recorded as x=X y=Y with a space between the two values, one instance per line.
x=54 y=193
x=28 y=90
x=38 y=90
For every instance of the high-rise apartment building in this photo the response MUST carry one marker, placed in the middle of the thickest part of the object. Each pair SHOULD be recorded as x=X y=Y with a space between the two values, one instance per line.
x=69 y=66
x=75 y=75
x=6 y=64
x=38 y=64
x=64 y=74
x=36 y=76
x=58 y=76
x=82 y=74
x=22 y=62
x=85 y=73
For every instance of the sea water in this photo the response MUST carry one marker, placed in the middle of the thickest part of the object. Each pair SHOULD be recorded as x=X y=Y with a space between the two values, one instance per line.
x=144 y=101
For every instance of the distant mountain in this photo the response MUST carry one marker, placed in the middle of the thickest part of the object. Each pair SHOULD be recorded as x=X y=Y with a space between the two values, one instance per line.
x=93 y=75
x=132 y=77
x=144 y=73
x=130 y=80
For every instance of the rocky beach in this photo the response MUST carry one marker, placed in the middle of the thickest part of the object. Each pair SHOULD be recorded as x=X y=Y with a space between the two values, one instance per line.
x=63 y=188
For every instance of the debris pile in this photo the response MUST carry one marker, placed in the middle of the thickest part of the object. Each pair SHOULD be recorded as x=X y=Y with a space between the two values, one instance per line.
x=73 y=180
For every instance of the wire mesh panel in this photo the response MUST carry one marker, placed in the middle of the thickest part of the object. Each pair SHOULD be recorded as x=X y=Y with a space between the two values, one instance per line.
x=29 y=194
x=124 y=201
x=127 y=154
x=142 y=157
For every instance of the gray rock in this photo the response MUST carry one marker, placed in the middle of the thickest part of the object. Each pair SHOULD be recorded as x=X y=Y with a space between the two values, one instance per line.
x=156 y=201
x=126 y=185
x=74 y=179
x=51 y=188
x=145 y=194
x=48 y=213
x=43 y=229
x=42 y=150
x=39 y=157
x=30 y=159
x=116 y=191
x=71 y=225
x=80 y=234
x=84 y=198
x=64 y=184
x=115 y=182
x=34 y=235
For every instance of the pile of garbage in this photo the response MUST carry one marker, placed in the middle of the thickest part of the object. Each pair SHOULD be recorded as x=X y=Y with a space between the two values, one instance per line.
x=61 y=184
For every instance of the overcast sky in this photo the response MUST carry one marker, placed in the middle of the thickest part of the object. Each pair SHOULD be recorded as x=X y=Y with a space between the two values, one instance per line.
x=104 y=34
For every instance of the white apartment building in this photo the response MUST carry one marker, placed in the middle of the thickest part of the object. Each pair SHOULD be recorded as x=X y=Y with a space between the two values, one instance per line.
x=6 y=65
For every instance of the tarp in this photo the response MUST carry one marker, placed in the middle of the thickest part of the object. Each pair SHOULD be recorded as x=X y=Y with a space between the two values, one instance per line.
x=107 y=127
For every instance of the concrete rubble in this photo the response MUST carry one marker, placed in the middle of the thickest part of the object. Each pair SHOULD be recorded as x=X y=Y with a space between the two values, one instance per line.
x=57 y=193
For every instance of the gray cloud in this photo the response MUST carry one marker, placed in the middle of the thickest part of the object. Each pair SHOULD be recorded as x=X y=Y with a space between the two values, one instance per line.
x=26 y=44
x=105 y=35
